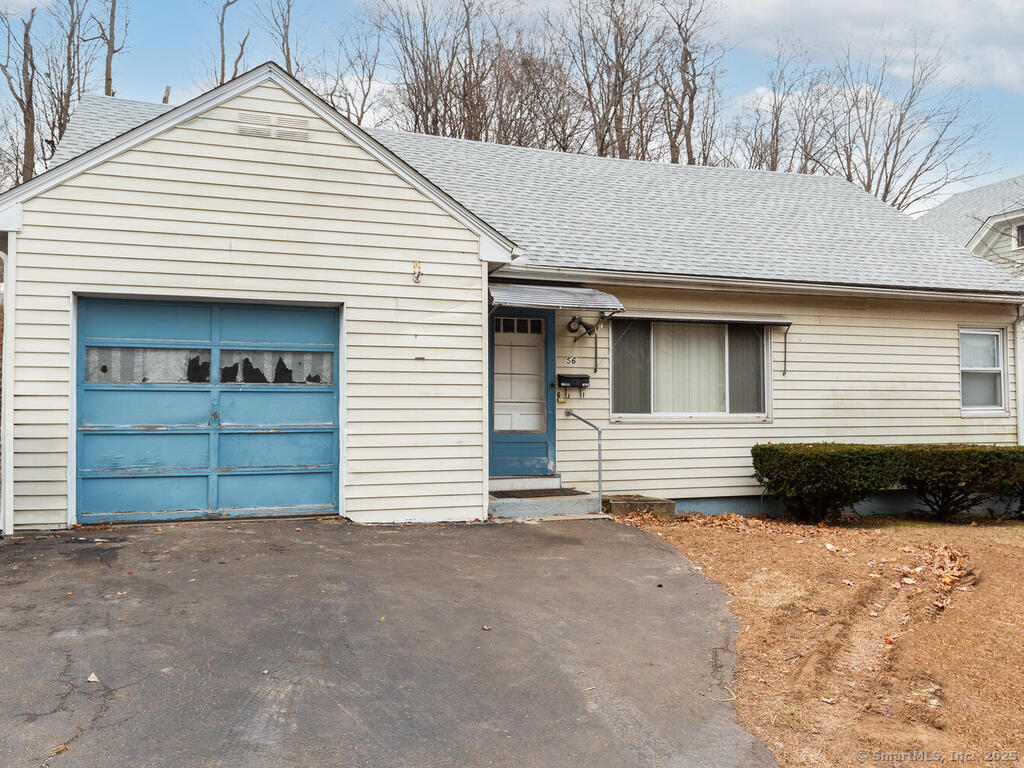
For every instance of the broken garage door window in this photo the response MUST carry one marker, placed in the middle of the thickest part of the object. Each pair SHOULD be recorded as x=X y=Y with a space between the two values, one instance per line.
x=147 y=365
x=260 y=367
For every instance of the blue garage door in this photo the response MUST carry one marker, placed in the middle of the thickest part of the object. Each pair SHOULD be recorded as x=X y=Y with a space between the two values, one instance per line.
x=190 y=410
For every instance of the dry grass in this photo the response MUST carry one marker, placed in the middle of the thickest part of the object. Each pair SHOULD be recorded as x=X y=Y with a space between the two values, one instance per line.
x=885 y=634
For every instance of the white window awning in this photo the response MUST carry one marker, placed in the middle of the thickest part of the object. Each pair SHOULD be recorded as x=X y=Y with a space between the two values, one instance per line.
x=552 y=297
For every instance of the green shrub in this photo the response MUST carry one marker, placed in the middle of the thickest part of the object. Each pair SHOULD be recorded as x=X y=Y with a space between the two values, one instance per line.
x=955 y=478
x=816 y=481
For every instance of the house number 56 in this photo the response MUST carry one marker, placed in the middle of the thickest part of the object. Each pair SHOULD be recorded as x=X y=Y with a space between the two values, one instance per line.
x=570 y=361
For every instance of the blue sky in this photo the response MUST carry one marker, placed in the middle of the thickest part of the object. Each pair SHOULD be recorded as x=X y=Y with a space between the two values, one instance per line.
x=171 y=41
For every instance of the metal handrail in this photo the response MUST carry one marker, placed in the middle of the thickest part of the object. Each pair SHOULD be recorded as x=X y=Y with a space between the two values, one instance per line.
x=600 y=474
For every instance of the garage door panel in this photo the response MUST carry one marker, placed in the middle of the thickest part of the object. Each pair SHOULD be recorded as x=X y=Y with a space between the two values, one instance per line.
x=283 y=491
x=145 y=407
x=156 y=451
x=278 y=325
x=274 y=407
x=144 y=320
x=107 y=496
x=282 y=449
x=244 y=419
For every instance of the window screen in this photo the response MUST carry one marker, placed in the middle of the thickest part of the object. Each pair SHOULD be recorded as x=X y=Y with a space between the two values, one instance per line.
x=687 y=368
x=631 y=366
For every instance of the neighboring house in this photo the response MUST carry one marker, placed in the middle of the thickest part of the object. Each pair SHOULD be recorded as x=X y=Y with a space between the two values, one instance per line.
x=988 y=220
x=248 y=305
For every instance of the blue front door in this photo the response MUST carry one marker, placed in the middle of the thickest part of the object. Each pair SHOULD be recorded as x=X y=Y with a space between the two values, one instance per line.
x=198 y=410
x=522 y=392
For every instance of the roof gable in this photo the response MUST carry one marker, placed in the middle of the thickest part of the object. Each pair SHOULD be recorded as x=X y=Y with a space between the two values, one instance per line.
x=961 y=217
x=576 y=215
x=103 y=116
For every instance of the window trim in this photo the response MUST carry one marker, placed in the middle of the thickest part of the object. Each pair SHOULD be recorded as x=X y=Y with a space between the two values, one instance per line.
x=712 y=417
x=1017 y=236
x=1003 y=371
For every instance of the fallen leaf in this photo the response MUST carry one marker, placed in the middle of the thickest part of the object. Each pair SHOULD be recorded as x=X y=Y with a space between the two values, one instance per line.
x=191 y=580
x=69 y=594
x=908 y=580
x=61 y=748
x=830 y=547
x=122 y=593
x=15 y=567
x=889 y=641
x=486 y=628
x=828 y=701
x=92 y=678
x=591 y=688
x=298 y=529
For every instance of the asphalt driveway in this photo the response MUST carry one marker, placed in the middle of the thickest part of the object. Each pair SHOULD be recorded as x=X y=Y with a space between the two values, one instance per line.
x=305 y=643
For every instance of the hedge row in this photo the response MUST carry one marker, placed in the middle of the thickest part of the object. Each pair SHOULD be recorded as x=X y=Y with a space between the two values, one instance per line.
x=816 y=481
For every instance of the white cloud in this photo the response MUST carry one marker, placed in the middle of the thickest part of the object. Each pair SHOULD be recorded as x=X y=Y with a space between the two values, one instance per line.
x=982 y=37
x=18 y=6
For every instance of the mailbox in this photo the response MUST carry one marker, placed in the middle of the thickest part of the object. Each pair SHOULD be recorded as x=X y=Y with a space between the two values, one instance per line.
x=568 y=381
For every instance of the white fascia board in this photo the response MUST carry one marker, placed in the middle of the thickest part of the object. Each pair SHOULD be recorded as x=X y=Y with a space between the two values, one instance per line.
x=10 y=218
x=994 y=225
x=493 y=252
x=261 y=74
x=597 y=277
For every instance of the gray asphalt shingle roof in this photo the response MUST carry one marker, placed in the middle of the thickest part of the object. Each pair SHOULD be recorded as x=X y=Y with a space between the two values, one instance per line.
x=960 y=216
x=98 y=119
x=570 y=212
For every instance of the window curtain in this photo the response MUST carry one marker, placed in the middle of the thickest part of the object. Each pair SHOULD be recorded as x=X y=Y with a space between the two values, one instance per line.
x=689 y=367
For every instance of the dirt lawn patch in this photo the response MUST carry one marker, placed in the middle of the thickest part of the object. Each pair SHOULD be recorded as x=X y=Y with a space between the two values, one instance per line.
x=879 y=635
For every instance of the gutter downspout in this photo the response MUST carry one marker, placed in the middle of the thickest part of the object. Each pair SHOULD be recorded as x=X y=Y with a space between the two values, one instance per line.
x=1018 y=371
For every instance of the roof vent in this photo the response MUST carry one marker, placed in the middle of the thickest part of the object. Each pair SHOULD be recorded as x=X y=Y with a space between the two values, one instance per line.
x=258 y=124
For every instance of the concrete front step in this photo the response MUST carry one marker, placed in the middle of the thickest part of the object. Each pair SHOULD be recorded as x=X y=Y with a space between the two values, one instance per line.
x=545 y=506
x=627 y=505
x=523 y=482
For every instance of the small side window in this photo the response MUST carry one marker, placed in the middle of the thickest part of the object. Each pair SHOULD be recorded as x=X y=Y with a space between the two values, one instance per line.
x=981 y=369
x=1018 y=236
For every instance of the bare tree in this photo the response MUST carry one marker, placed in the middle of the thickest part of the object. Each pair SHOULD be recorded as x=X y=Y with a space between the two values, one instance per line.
x=276 y=18
x=903 y=139
x=221 y=70
x=614 y=48
x=688 y=75
x=786 y=123
x=113 y=39
x=69 y=57
x=347 y=78
x=20 y=72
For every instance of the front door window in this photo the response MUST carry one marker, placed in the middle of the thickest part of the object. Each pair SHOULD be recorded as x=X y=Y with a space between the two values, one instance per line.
x=519 y=393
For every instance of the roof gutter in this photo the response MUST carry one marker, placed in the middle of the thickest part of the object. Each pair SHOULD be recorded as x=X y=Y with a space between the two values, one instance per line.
x=751 y=285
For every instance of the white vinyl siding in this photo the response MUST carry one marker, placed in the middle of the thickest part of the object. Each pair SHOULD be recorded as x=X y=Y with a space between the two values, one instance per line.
x=858 y=370
x=203 y=212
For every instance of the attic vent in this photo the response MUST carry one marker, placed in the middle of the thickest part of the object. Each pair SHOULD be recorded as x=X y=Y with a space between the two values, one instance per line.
x=254 y=117
x=258 y=124
x=293 y=122
x=255 y=130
